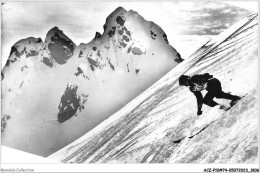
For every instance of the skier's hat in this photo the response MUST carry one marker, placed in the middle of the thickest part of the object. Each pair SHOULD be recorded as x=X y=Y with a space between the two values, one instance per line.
x=183 y=79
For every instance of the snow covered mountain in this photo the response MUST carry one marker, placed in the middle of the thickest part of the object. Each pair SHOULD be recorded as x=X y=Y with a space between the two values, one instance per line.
x=161 y=125
x=53 y=91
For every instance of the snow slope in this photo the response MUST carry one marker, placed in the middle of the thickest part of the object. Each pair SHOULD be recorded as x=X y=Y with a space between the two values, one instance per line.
x=161 y=125
x=53 y=91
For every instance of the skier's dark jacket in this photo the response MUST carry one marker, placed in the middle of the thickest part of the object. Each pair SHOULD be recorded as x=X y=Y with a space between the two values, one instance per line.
x=197 y=84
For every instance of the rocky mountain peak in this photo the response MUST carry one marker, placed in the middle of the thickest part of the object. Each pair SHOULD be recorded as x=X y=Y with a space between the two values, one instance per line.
x=110 y=18
x=23 y=49
x=59 y=46
x=130 y=32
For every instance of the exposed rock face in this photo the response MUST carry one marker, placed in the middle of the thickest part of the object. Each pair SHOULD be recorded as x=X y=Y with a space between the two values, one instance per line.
x=70 y=103
x=60 y=46
x=4 y=120
x=47 y=61
x=56 y=91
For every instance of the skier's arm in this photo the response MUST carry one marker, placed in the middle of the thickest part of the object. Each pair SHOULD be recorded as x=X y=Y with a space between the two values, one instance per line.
x=199 y=101
x=207 y=76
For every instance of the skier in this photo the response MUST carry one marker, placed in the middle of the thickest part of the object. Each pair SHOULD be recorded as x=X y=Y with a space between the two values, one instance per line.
x=197 y=83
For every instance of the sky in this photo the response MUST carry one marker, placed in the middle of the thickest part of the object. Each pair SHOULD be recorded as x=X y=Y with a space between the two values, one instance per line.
x=188 y=24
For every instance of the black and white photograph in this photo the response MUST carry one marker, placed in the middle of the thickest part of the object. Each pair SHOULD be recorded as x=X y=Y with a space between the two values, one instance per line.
x=130 y=82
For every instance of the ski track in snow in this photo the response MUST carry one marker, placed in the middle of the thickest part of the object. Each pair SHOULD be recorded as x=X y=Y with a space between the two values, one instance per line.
x=161 y=125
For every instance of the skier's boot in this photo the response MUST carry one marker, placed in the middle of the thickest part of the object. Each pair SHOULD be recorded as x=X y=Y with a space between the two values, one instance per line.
x=235 y=100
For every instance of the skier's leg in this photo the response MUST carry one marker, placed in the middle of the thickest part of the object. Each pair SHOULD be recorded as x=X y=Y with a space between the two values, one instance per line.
x=214 y=86
x=234 y=99
x=208 y=100
x=228 y=96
